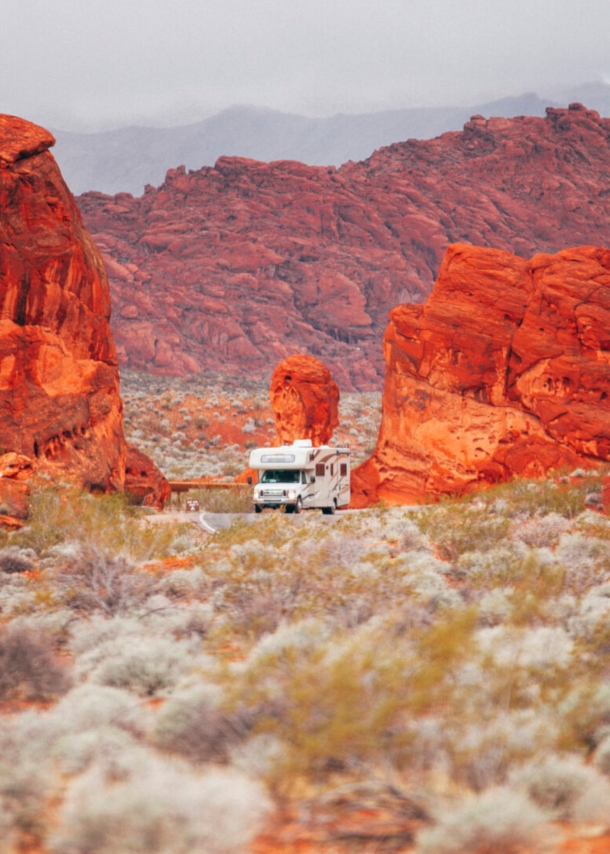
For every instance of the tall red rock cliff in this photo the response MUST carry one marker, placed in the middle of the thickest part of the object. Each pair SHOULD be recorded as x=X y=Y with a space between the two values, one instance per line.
x=234 y=267
x=59 y=380
x=505 y=371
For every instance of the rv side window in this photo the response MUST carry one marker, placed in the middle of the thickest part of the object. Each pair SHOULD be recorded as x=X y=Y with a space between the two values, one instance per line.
x=319 y=469
x=343 y=470
x=332 y=469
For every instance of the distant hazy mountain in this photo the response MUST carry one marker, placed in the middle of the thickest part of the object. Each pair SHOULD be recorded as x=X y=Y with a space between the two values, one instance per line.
x=129 y=158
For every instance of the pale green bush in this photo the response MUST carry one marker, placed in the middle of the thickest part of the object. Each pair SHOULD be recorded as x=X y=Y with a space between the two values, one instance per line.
x=158 y=806
x=499 y=820
x=566 y=788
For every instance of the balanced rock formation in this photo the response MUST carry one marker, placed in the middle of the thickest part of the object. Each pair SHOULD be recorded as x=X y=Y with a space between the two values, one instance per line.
x=234 y=267
x=305 y=399
x=59 y=376
x=505 y=371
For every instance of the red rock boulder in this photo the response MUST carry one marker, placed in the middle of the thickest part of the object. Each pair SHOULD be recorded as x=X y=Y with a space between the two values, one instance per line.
x=15 y=470
x=59 y=380
x=305 y=399
x=505 y=371
x=144 y=481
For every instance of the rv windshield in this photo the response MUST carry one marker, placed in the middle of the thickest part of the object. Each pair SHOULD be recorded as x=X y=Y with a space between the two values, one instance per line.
x=280 y=476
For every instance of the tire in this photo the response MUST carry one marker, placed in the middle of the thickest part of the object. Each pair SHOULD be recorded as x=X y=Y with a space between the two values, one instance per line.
x=298 y=506
x=330 y=511
x=258 y=508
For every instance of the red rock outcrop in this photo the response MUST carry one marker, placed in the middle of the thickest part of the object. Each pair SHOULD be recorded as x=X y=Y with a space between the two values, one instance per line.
x=505 y=371
x=59 y=381
x=15 y=471
x=234 y=267
x=143 y=480
x=305 y=399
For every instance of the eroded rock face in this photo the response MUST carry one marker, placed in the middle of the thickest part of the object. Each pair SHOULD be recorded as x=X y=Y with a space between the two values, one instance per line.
x=305 y=399
x=59 y=380
x=144 y=481
x=505 y=371
x=233 y=268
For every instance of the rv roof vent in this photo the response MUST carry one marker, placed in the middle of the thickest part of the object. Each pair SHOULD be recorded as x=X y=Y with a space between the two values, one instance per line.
x=302 y=443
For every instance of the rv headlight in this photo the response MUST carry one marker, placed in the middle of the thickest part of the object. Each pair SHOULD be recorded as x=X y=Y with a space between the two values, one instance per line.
x=292 y=494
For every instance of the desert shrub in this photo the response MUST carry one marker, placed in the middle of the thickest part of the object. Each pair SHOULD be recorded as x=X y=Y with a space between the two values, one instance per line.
x=494 y=608
x=261 y=757
x=104 y=745
x=480 y=745
x=534 y=572
x=602 y=756
x=23 y=793
x=94 y=579
x=149 y=665
x=29 y=669
x=566 y=788
x=236 y=499
x=104 y=522
x=519 y=499
x=334 y=702
x=540 y=531
x=538 y=647
x=194 y=723
x=460 y=528
x=585 y=560
x=499 y=820
x=158 y=806
x=411 y=538
x=90 y=707
x=16 y=560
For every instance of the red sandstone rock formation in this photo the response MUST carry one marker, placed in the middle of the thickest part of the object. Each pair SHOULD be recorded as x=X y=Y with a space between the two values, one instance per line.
x=505 y=371
x=59 y=379
x=305 y=399
x=59 y=383
x=144 y=481
x=234 y=267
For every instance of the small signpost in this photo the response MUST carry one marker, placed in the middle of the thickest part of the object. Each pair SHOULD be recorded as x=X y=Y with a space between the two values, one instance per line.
x=192 y=505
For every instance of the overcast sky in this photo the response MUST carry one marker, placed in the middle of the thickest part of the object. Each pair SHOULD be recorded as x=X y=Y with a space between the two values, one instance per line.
x=94 y=64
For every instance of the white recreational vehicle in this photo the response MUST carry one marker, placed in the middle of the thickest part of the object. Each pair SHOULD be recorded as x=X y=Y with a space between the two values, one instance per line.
x=299 y=477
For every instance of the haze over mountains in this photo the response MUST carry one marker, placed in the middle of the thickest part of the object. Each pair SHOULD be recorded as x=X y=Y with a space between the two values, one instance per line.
x=126 y=159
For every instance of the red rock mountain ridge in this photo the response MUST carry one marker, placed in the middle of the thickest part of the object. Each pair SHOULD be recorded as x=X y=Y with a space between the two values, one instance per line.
x=59 y=378
x=505 y=371
x=238 y=266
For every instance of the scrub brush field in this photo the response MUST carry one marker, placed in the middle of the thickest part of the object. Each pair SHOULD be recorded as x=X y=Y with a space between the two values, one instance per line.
x=431 y=680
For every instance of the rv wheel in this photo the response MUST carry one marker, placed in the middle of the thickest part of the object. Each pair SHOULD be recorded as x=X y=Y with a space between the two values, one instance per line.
x=298 y=506
x=258 y=508
x=329 y=511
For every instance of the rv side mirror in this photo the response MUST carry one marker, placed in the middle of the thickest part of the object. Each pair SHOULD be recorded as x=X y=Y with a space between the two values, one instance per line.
x=312 y=479
x=249 y=481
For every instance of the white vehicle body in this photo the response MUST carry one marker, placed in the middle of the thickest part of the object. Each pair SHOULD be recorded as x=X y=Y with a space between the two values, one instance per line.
x=299 y=476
